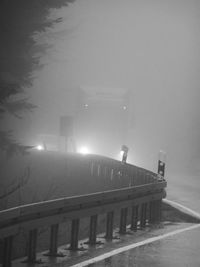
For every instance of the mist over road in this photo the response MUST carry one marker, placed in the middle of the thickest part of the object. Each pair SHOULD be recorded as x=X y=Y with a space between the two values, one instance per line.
x=136 y=59
x=146 y=49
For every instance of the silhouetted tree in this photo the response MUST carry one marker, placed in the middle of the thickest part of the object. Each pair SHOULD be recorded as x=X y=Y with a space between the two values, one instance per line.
x=19 y=20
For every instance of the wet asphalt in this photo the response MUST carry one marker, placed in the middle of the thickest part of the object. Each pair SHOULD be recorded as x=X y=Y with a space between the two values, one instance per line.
x=181 y=250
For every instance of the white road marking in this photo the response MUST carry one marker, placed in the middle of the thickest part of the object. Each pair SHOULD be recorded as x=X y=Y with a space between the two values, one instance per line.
x=144 y=242
x=135 y=245
x=182 y=208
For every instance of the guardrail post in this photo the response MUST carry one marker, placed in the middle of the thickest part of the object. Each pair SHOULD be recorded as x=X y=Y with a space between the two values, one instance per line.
x=93 y=229
x=53 y=240
x=150 y=211
x=159 y=210
x=109 y=225
x=92 y=168
x=98 y=169
x=123 y=220
x=143 y=177
x=155 y=211
x=143 y=215
x=105 y=172
x=32 y=245
x=74 y=234
x=111 y=174
x=152 y=214
x=7 y=251
x=134 y=218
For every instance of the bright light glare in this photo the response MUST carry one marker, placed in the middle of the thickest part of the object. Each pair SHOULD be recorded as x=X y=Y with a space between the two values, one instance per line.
x=120 y=155
x=40 y=147
x=121 y=152
x=84 y=150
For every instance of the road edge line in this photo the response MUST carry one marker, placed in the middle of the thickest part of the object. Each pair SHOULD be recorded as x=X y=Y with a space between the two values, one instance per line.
x=182 y=208
x=135 y=245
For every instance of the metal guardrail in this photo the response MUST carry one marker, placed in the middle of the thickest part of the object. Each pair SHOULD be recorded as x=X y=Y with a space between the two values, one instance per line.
x=144 y=201
x=71 y=174
x=111 y=169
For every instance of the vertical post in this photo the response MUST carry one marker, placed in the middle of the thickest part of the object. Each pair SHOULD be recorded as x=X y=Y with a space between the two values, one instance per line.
x=132 y=177
x=98 y=169
x=7 y=251
x=109 y=225
x=95 y=169
x=161 y=174
x=134 y=218
x=143 y=177
x=93 y=229
x=53 y=240
x=161 y=168
x=123 y=220
x=74 y=234
x=151 y=212
x=160 y=210
x=111 y=174
x=161 y=163
x=143 y=215
x=105 y=172
x=147 y=178
x=155 y=211
x=124 y=153
x=92 y=168
x=140 y=176
x=32 y=245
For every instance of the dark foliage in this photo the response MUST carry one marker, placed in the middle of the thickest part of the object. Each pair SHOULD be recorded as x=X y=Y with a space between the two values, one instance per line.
x=19 y=20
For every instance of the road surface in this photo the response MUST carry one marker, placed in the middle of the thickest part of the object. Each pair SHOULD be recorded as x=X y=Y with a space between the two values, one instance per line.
x=185 y=190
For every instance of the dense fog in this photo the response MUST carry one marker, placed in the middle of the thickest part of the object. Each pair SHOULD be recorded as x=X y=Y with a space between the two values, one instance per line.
x=127 y=72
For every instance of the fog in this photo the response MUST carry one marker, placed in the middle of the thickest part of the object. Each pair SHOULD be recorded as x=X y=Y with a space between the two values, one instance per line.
x=137 y=64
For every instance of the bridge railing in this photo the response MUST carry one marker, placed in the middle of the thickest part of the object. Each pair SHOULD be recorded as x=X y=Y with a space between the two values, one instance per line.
x=112 y=174
x=144 y=202
x=46 y=175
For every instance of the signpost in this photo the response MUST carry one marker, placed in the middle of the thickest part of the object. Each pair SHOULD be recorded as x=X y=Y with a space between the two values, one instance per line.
x=161 y=163
x=124 y=153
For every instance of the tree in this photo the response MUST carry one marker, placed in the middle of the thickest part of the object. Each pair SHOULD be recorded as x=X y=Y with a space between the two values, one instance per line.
x=18 y=21
x=14 y=107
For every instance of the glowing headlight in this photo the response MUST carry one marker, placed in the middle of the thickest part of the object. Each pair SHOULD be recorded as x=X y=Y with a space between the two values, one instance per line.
x=121 y=152
x=39 y=147
x=84 y=150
